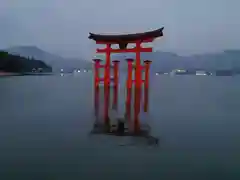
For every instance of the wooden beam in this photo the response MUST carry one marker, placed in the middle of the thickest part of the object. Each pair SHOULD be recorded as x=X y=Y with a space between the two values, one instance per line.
x=142 y=49
x=143 y=41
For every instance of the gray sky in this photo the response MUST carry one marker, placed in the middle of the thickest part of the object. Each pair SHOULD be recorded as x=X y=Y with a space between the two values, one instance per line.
x=62 y=26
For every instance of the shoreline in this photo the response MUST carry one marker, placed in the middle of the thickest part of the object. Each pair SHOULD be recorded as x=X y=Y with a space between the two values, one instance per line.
x=8 y=74
x=3 y=74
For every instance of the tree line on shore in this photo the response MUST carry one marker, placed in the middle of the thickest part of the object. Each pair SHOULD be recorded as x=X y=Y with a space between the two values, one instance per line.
x=19 y=64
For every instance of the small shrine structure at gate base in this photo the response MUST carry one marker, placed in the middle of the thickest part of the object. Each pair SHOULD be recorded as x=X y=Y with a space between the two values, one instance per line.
x=130 y=124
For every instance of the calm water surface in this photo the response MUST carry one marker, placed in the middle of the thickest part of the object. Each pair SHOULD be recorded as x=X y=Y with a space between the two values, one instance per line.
x=45 y=121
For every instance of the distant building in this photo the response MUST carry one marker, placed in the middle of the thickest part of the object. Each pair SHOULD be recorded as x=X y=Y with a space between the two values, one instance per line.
x=201 y=73
x=179 y=72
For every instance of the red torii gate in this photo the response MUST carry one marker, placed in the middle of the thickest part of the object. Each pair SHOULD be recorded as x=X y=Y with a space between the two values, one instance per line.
x=123 y=41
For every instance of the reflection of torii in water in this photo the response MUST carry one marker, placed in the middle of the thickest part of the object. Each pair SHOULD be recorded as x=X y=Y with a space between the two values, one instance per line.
x=125 y=126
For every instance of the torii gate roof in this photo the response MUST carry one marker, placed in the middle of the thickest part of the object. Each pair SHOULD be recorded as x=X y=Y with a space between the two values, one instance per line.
x=125 y=38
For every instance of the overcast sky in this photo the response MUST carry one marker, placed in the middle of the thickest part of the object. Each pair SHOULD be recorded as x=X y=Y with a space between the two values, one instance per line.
x=62 y=26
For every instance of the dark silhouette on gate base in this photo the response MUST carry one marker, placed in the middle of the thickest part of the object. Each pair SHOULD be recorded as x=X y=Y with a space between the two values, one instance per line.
x=122 y=129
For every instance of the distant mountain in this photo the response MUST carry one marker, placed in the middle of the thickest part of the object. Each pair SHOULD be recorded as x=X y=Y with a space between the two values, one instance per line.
x=55 y=61
x=161 y=61
x=167 y=61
